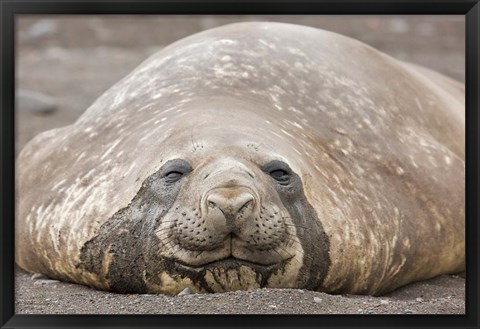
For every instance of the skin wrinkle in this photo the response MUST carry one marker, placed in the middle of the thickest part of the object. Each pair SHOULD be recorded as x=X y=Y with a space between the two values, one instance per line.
x=362 y=137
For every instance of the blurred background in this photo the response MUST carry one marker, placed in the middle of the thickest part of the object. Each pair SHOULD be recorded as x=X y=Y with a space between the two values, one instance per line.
x=63 y=63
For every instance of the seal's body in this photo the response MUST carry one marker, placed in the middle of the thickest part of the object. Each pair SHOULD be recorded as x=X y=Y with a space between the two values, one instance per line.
x=252 y=155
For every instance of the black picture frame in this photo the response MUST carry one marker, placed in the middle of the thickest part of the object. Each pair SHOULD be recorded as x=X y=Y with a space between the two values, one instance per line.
x=10 y=8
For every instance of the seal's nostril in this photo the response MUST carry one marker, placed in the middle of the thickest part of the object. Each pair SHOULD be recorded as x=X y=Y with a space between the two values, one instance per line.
x=229 y=201
x=246 y=204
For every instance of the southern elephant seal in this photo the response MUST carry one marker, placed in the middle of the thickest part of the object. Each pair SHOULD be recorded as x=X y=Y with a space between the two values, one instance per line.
x=252 y=155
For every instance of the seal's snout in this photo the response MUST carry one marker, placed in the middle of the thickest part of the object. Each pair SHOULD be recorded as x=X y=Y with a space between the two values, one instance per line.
x=230 y=201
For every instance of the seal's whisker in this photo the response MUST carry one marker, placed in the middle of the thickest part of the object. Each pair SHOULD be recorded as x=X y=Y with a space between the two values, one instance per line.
x=165 y=228
x=292 y=237
x=290 y=256
x=297 y=226
x=166 y=240
x=290 y=242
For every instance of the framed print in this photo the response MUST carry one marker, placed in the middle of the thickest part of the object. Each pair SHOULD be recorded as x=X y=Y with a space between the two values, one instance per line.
x=228 y=164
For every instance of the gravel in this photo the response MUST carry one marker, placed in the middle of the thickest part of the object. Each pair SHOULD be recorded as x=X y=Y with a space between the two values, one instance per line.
x=442 y=295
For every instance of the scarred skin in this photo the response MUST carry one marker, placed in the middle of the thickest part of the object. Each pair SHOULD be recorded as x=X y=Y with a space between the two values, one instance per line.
x=252 y=155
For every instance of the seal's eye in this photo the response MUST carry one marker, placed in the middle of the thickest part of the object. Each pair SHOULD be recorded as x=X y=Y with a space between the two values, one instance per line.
x=173 y=176
x=280 y=175
x=279 y=171
x=174 y=170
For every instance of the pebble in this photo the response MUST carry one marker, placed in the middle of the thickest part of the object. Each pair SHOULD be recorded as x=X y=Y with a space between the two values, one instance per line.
x=50 y=281
x=41 y=29
x=184 y=292
x=35 y=102
x=384 y=302
x=407 y=311
x=47 y=281
x=37 y=276
x=419 y=300
x=317 y=300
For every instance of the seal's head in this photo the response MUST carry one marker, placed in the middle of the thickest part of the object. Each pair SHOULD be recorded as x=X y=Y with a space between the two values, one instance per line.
x=221 y=213
x=233 y=214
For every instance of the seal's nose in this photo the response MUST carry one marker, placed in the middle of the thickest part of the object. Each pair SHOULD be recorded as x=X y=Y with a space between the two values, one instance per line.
x=230 y=201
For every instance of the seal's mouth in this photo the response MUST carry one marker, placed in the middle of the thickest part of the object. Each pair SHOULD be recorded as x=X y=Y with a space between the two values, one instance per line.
x=232 y=252
x=233 y=263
